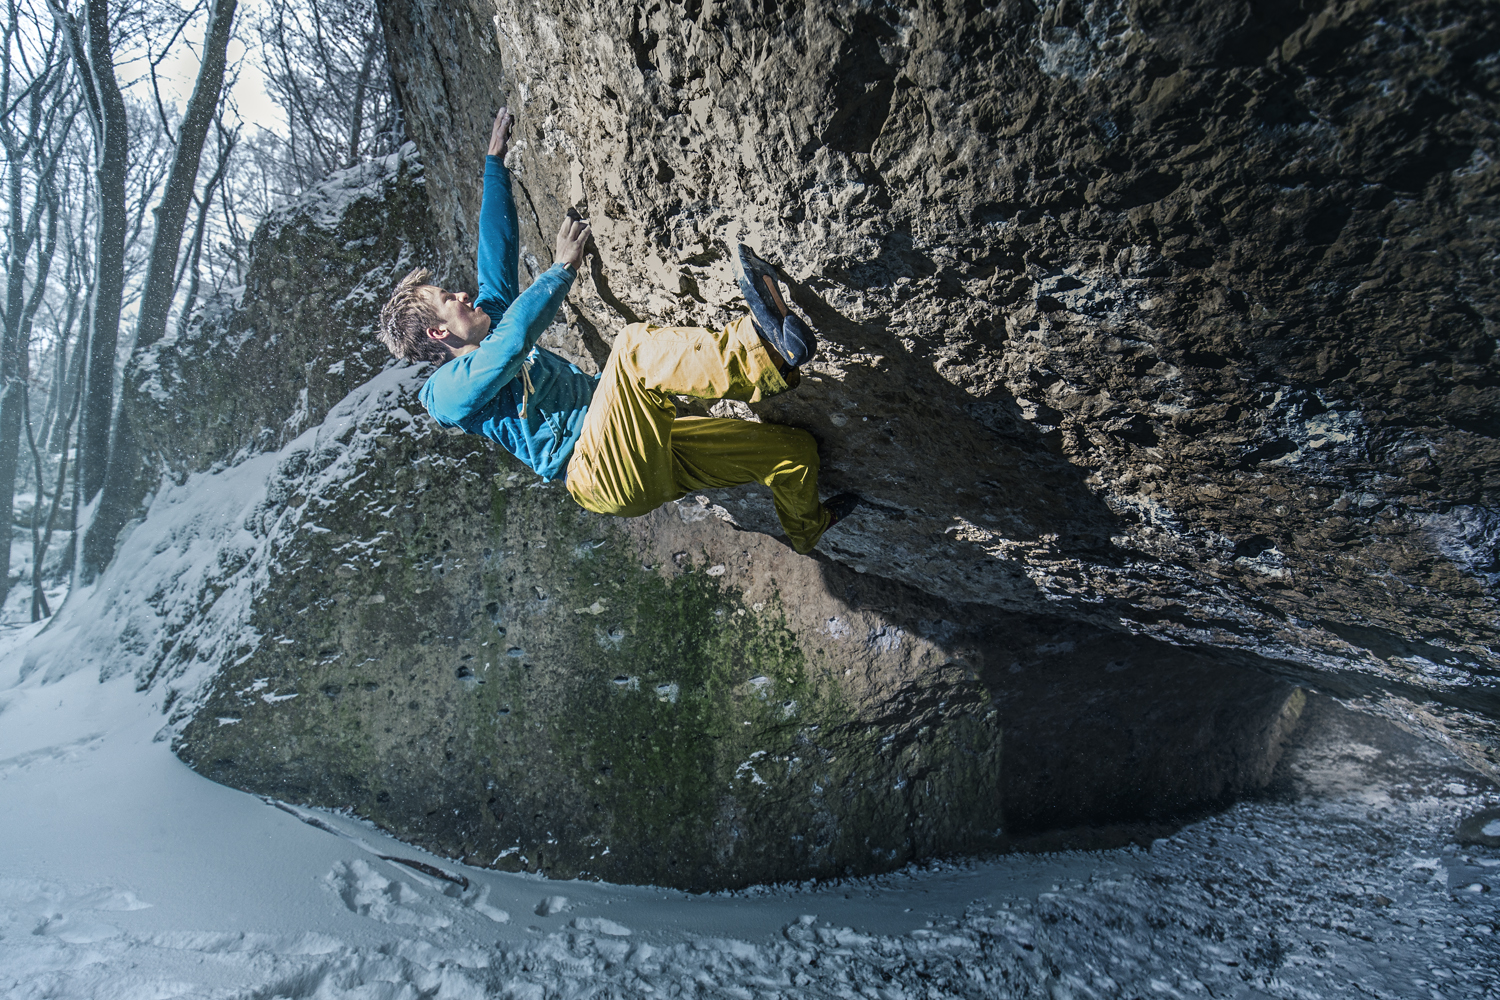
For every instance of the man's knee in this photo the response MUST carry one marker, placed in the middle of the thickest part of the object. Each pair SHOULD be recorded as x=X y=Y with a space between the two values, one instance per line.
x=798 y=456
x=803 y=448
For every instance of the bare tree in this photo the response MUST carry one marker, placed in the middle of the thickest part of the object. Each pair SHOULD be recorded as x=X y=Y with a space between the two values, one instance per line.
x=69 y=308
x=89 y=43
x=192 y=265
x=253 y=182
x=41 y=536
x=36 y=113
x=116 y=452
x=326 y=68
x=149 y=158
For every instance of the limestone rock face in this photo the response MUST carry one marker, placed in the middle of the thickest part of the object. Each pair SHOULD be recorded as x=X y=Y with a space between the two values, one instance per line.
x=456 y=651
x=1172 y=315
x=1160 y=336
x=459 y=653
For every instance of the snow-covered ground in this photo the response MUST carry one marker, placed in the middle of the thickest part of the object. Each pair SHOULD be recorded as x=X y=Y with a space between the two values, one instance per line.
x=123 y=874
x=17 y=604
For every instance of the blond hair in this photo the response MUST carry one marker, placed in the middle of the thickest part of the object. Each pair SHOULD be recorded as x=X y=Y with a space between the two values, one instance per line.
x=406 y=318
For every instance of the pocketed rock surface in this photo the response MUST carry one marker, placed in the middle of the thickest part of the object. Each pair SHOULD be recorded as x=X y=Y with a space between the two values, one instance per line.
x=348 y=606
x=1177 y=316
x=1160 y=339
x=449 y=647
x=264 y=362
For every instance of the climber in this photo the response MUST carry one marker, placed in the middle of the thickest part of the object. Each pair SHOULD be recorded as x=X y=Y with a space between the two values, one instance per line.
x=616 y=437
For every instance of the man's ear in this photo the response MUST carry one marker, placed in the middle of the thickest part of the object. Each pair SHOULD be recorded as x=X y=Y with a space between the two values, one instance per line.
x=442 y=336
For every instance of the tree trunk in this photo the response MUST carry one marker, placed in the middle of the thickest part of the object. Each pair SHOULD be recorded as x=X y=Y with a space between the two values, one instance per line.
x=39 y=541
x=62 y=479
x=95 y=65
x=357 y=123
x=15 y=371
x=195 y=245
x=171 y=212
x=60 y=365
x=69 y=382
x=116 y=499
x=116 y=502
x=22 y=234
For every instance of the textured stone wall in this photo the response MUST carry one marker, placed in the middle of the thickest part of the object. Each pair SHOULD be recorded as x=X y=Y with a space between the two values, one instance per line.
x=459 y=653
x=1161 y=336
x=1173 y=315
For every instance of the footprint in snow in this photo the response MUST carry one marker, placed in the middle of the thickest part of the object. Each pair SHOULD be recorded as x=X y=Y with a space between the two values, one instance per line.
x=479 y=902
x=600 y=925
x=49 y=911
x=391 y=901
x=551 y=905
x=62 y=753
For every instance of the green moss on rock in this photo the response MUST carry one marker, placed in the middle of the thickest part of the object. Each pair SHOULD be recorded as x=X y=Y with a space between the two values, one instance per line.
x=484 y=668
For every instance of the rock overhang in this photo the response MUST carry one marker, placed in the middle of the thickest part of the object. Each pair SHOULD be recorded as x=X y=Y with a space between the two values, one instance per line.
x=1135 y=315
x=1139 y=469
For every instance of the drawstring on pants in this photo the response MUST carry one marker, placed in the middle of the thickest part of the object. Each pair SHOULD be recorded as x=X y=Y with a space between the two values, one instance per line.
x=526 y=387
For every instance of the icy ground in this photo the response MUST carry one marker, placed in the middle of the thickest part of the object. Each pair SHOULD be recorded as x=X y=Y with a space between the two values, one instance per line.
x=123 y=874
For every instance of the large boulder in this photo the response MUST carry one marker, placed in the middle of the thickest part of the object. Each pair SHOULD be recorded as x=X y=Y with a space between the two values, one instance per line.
x=459 y=653
x=404 y=621
x=1173 y=316
x=1161 y=337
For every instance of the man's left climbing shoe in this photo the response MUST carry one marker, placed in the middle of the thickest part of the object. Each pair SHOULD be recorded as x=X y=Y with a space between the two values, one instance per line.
x=781 y=328
x=841 y=506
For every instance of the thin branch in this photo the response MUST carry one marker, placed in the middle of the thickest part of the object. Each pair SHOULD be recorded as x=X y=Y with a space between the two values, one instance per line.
x=39 y=607
x=68 y=25
x=39 y=548
x=161 y=111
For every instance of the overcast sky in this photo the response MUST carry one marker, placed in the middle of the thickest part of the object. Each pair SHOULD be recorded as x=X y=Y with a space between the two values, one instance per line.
x=249 y=93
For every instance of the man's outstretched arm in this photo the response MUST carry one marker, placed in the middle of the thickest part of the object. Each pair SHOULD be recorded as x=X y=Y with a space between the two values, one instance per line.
x=466 y=384
x=499 y=235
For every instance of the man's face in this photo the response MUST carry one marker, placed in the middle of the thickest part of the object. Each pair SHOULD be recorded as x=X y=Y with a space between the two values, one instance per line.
x=459 y=324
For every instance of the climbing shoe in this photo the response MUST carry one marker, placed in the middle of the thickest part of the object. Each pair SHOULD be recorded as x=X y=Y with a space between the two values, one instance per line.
x=841 y=506
x=780 y=327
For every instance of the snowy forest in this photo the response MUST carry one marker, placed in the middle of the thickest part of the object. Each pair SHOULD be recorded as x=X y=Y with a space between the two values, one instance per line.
x=1134 y=366
x=144 y=143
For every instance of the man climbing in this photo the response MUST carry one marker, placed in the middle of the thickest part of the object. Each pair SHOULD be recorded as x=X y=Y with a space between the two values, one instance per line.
x=616 y=438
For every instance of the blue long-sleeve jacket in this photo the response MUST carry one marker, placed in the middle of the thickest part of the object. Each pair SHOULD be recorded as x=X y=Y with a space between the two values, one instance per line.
x=484 y=391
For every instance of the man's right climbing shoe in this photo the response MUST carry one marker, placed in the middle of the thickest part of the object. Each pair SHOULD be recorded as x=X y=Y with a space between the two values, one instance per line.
x=781 y=328
x=841 y=506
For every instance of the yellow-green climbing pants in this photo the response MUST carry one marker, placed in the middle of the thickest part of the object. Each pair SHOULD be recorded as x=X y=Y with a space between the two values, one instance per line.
x=635 y=453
